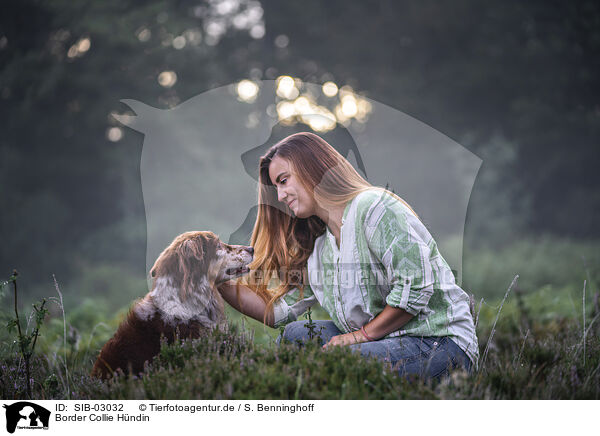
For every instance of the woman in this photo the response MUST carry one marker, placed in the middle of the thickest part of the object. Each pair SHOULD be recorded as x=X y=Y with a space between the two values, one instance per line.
x=362 y=253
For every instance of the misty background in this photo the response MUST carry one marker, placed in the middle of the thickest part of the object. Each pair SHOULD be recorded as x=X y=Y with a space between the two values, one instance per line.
x=515 y=83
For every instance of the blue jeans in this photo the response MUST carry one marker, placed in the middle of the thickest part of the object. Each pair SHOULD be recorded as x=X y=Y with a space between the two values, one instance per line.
x=425 y=357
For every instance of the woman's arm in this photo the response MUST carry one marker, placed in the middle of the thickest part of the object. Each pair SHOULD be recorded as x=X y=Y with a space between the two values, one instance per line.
x=246 y=301
x=389 y=320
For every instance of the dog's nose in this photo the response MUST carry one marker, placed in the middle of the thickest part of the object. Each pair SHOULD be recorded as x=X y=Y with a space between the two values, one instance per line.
x=250 y=250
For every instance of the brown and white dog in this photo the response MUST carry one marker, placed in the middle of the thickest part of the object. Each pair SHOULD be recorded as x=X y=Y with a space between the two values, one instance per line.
x=184 y=300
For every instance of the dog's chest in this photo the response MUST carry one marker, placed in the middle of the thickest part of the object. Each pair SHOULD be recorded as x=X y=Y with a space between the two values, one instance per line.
x=201 y=305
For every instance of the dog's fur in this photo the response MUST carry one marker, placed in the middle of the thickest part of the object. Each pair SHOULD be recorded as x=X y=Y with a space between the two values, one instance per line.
x=183 y=302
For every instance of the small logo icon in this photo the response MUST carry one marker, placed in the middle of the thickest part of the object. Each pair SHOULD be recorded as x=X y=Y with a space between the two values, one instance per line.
x=26 y=415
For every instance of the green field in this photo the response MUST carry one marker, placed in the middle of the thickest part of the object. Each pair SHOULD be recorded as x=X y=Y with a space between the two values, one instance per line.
x=537 y=349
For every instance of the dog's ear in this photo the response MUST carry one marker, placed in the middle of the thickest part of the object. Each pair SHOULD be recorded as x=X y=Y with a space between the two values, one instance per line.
x=194 y=256
x=193 y=248
x=168 y=263
x=202 y=251
x=158 y=265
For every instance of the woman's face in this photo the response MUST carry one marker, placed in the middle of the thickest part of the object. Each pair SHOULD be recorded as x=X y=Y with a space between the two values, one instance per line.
x=289 y=189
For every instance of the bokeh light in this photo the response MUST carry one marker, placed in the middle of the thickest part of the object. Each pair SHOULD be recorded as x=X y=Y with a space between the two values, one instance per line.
x=282 y=41
x=220 y=15
x=349 y=107
x=193 y=36
x=79 y=48
x=247 y=90
x=286 y=87
x=179 y=42
x=330 y=89
x=167 y=79
x=257 y=31
x=143 y=34
x=83 y=45
x=114 y=134
x=285 y=110
x=299 y=105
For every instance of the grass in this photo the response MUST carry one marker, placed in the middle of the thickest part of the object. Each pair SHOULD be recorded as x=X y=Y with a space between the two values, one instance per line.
x=541 y=341
x=548 y=360
x=546 y=262
x=545 y=363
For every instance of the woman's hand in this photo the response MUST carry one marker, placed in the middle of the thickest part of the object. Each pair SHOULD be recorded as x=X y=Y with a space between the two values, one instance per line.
x=389 y=320
x=346 y=339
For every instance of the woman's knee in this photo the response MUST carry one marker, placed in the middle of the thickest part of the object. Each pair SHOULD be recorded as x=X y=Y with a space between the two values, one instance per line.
x=298 y=331
x=372 y=349
x=437 y=360
x=294 y=331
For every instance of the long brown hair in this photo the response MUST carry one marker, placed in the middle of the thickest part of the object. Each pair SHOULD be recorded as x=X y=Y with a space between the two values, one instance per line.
x=283 y=242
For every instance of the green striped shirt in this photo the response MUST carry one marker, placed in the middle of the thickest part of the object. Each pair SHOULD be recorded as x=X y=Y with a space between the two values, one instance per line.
x=386 y=256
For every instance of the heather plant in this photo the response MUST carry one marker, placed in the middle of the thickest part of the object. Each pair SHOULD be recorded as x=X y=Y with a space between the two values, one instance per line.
x=314 y=333
x=227 y=365
x=33 y=365
x=25 y=341
x=544 y=362
x=541 y=344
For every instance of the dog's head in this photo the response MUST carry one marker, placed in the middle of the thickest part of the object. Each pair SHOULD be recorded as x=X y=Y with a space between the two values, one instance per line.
x=198 y=257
